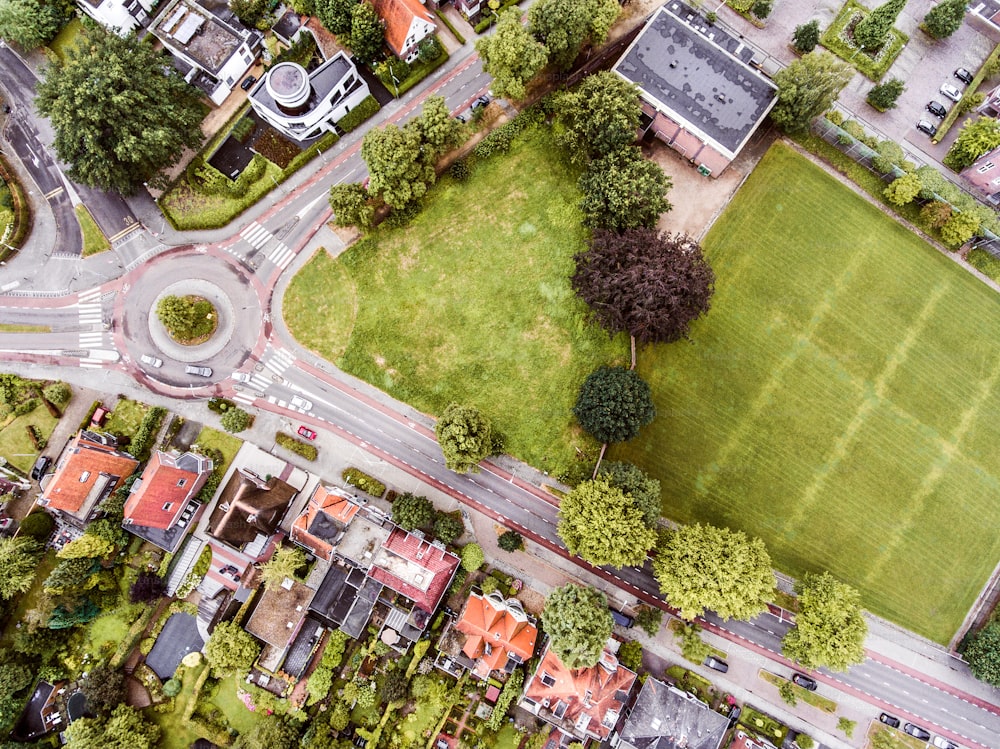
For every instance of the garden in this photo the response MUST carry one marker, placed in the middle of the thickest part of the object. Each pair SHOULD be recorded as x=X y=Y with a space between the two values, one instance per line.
x=837 y=401
x=840 y=39
x=29 y=412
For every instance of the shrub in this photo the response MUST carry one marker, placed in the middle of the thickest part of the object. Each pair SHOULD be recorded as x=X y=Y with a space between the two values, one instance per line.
x=804 y=741
x=935 y=214
x=883 y=96
x=38 y=524
x=367 y=108
x=787 y=692
x=806 y=37
x=630 y=655
x=762 y=8
x=846 y=725
x=146 y=645
x=236 y=420
x=297 y=446
x=58 y=392
x=142 y=440
x=447 y=527
x=472 y=557
x=510 y=691
x=26 y=406
x=363 y=481
x=172 y=687
x=510 y=541
x=410 y=512
x=220 y=405
x=459 y=170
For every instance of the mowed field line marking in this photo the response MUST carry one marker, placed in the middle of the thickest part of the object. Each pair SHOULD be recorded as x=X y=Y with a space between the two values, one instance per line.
x=842 y=447
x=802 y=342
x=950 y=448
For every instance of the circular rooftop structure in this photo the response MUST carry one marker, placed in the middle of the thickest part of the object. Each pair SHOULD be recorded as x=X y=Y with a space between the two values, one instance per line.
x=288 y=85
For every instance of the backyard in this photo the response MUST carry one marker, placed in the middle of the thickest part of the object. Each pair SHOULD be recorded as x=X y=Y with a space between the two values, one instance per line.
x=839 y=400
x=15 y=444
x=449 y=309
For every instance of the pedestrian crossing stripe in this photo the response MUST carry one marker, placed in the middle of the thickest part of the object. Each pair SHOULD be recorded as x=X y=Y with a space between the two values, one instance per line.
x=244 y=399
x=281 y=256
x=256 y=235
x=91 y=363
x=89 y=296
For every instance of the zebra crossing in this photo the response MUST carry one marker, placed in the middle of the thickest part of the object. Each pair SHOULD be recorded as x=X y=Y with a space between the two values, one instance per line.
x=284 y=404
x=91 y=315
x=257 y=236
x=277 y=359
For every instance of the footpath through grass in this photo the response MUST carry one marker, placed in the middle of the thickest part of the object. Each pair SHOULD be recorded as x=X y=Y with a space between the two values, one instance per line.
x=471 y=303
x=841 y=400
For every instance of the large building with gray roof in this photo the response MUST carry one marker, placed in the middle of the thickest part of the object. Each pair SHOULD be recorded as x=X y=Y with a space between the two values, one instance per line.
x=700 y=95
x=664 y=717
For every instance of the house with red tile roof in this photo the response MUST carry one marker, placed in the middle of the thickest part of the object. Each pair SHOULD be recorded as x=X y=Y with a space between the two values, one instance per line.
x=323 y=522
x=415 y=568
x=162 y=501
x=407 y=23
x=585 y=703
x=89 y=469
x=499 y=635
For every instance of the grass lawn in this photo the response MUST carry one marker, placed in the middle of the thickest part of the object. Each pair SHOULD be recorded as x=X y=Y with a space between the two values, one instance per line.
x=16 y=446
x=94 y=240
x=840 y=400
x=67 y=38
x=470 y=303
x=507 y=737
x=227 y=444
x=126 y=417
x=109 y=627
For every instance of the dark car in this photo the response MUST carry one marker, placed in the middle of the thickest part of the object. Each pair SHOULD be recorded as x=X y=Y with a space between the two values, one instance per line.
x=248 y=82
x=734 y=714
x=937 y=109
x=38 y=470
x=716 y=664
x=917 y=732
x=964 y=76
x=482 y=101
x=890 y=720
x=806 y=682
x=925 y=127
x=622 y=620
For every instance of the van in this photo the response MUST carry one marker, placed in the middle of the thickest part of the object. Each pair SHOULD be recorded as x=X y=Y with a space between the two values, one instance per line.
x=38 y=470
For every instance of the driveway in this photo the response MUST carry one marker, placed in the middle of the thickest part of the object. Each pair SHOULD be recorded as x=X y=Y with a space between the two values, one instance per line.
x=178 y=638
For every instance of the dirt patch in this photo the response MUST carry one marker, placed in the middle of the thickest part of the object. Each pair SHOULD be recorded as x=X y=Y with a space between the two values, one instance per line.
x=135 y=694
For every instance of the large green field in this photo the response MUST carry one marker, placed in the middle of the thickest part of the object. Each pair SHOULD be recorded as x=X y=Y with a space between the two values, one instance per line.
x=841 y=399
x=470 y=302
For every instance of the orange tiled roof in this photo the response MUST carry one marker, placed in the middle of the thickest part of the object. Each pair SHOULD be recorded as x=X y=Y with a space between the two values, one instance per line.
x=327 y=509
x=167 y=480
x=496 y=628
x=398 y=16
x=86 y=471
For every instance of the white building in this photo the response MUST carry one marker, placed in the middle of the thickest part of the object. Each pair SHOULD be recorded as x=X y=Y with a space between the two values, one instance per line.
x=218 y=49
x=121 y=16
x=305 y=105
x=407 y=23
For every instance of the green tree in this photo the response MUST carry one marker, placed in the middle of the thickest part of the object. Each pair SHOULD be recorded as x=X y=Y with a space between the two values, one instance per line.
x=804 y=741
x=903 y=189
x=976 y=138
x=336 y=15
x=465 y=437
x=624 y=191
x=231 y=649
x=702 y=567
x=235 y=420
x=846 y=725
x=18 y=564
x=564 y=26
x=120 y=111
x=806 y=88
x=643 y=490
x=510 y=541
x=578 y=623
x=960 y=228
x=786 y=690
x=351 y=205
x=410 y=512
x=447 y=527
x=762 y=8
x=87 y=545
x=829 y=629
x=32 y=23
x=185 y=317
x=511 y=55
x=806 y=37
x=284 y=563
x=104 y=688
x=398 y=173
x=649 y=619
x=614 y=404
x=601 y=524
x=934 y=214
x=125 y=727
x=597 y=118
x=883 y=96
x=983 y=653
x=249 y=11
x=439 y=131
x=630 y=654
x=367 y=32
x=58 y=393
x=872 y=31
x=16 y=675
x=945 y=18
x=269 y=732
x=888 y=156
x=472 y=557
x=70 y=575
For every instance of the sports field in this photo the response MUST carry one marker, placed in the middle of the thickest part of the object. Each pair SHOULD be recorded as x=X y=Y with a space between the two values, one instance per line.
x=841 y=400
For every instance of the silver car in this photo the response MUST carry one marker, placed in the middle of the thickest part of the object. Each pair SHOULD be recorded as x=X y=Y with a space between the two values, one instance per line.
x=200 y=371
x=950 y=91
x=299 y=402
x=152 y=361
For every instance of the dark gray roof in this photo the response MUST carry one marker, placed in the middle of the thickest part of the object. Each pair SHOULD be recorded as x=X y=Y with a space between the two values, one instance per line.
x=666 y=718
x=326 y=528
x=696 y=79
x=302 y=647
x=322 y=80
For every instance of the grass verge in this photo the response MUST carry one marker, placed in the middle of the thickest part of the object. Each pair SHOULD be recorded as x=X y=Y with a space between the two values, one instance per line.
x=94 y=240
x=891 y=739
x=838 y=401
x=803 y=695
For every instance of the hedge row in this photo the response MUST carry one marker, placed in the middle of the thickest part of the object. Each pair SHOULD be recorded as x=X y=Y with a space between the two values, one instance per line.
x=363 y=481
x=367 y=108
x=297 y=446
x=132 y=637
x=501 y=138
x=421 y=70
x=23 y=217
x=451 y=26
x=142 y=440
x=85 y=424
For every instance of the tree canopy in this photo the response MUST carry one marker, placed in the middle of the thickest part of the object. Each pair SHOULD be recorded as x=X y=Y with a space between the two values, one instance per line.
x=614 y=404
x=829 y=629
x=983 y=653
x=472 y=557
x=598 y=117
x=643 y=490
x=18 y=564
x=104 y=688
x=945 y=18
x=511 y=55
x=410 y=512
x=336 y=15
x=883 y=96
x=439 y=131
x=399 y=173
x=977 y=137
x=649 y=285
x=367 y=32
x=465 y=437
x=284 y=563
x=598 y=522
x=806 y=36
x=351 y=205
x=231 y=649
x=807 y=87
x=235 y=420
x=447 y=527
x=32 y=23
x=125 y=727
x=270 y=732
x=564 y=26
x=702 y=567
x=120 y=111
x=872 y=31
x=578 y=623
x=623 y=191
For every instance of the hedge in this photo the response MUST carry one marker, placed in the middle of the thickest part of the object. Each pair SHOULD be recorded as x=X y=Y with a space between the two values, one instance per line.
x=23 y=218
x=451 y=27
x=297 y=446
x=363 y=481
x=367 y=108
x=90 y=415
x=142 y=440
x=132 y=637
x=420 y=70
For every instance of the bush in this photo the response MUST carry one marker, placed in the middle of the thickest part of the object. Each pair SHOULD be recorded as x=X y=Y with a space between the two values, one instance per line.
x=787 y=692
x=363 y=481
x=447 y=528
x=367 y=108
x=804 y=741
x=38 y=524
x=26 y=406
x=186 y=318
x=297 y=446
x=172 y=687
x=630 y=655
x=142 y=440
x=510 y=691
x=472 y=557
x=58 y=392
x=510 y=541
x=410 y=512
x=236 y=420
x=459 y=170
x=883 y=96
x=220 y=405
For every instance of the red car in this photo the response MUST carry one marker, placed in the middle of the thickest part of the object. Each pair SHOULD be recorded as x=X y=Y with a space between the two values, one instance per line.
x=306 y=432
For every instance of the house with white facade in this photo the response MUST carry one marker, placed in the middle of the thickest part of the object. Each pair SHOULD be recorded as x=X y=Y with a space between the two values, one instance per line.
x=121 y=16
x=407 y=23
x=211 y=42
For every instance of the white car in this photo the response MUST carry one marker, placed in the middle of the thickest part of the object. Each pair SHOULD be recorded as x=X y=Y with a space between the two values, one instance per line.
x=942 y=743
x=152 y=361
x=299 y=402
x=243 y=377
x=950 y=91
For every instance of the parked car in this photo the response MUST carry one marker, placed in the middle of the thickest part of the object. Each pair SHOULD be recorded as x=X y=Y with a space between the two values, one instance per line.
x=964 y=76
x=6 y=523
x=937 y=109
x=152 y=361
x=38 y=470
x=306 y=432
x=890 y=720
x=482 y=101
x=300 y=402
x=925 y=127
x=716 y=664
x=734 y=714
x=243 y=377
x=950 y=91
x=942 y=743
x=806 y=682
x=622 y=620
x=248 y=82
x=200 y=371
x=916 y=732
